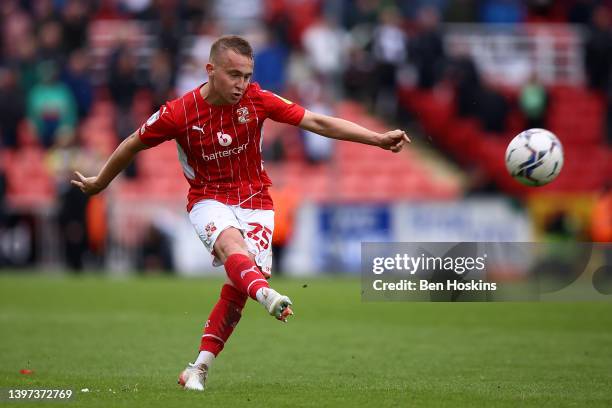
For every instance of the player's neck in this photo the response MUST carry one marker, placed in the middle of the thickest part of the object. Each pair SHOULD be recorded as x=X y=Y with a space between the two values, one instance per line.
x=211 y=96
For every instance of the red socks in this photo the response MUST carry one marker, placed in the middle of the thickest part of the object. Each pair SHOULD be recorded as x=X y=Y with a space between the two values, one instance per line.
x=247 y=279
x=223 y=318
x=245 y=275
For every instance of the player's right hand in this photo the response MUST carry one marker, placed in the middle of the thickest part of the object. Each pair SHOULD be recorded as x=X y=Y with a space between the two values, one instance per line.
x=394 y=140
x=88 y=185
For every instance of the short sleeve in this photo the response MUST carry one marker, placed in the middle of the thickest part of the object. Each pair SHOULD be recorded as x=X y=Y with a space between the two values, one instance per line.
x=280 y=109
x=159 y=127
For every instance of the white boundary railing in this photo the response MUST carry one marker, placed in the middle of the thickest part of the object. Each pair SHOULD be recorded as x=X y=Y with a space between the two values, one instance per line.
x=510 y=54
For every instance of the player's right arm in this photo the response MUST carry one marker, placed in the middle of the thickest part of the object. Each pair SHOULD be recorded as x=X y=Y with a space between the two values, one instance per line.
x=160 y=127
x=118 y=160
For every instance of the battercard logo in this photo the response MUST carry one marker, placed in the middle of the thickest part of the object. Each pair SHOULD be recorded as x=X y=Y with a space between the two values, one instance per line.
x=224 y=139
x=225 y=153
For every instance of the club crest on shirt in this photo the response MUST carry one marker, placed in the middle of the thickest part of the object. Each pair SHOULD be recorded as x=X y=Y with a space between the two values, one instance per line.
x=243 y=115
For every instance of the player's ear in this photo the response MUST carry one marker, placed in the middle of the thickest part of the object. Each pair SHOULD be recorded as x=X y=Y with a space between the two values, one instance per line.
x=210 y=68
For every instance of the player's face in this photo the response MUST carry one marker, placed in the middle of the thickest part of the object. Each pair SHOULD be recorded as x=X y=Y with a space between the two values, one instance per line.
x=231 y=75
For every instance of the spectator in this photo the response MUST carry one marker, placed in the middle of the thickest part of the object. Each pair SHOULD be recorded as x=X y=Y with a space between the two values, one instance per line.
x=598 y=50
x=360 y=13
x=97 y=228
x=124 y=84
x=169 y=32
x=580 y=12
x=206 y=34
x=156 y=251
x=389 y=51
x=51 y=106
x=601 y=222
x=324 y=44
x=461 y=11
x=286 y=202
x=317 y=149
x=75 y=21
x=124 y=79
x=493 y=110
x=161 y=77
x=43 y=11
x=359 y=80
x=12 y=108
x=190 y=75
x=77 y=231
x=546 y=12
x=502 y=11
x=193 y=12
x=411 y=9
x=76 y=76
x=50 y=43
x=271 y=61
x=468 y=86
x=238 y=16
x=473 y=99
x=135 y=8
x=71 y=221
x=26 y=62
x=15 y=26
x=108 y=10
x=533 y=103
x=427 y=49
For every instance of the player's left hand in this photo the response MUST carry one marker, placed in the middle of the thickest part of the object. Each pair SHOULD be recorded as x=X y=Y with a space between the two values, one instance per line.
x=394 y=140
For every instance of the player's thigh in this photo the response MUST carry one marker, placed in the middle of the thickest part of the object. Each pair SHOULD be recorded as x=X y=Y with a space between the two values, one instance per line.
x=258 y=227
x=229 y=242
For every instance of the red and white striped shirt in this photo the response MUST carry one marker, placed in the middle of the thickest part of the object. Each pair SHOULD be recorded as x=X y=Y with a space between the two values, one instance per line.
x=219 y=147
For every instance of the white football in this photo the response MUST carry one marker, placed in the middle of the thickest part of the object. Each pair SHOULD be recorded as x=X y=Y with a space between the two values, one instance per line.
x=534 y=157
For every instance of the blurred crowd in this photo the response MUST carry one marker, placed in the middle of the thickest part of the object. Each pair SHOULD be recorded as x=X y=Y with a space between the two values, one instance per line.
x=59 y=59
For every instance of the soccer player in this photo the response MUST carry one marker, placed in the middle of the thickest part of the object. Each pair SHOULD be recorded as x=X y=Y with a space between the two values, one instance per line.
x=217 y=128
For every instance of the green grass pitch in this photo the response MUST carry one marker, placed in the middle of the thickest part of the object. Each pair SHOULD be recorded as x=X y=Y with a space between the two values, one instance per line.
x=127 y=340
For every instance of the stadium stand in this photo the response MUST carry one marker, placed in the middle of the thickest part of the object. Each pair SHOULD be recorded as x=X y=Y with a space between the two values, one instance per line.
x=123 y=43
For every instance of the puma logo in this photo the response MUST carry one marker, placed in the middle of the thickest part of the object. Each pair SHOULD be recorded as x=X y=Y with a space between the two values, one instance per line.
x=253 y=269
x=199 y=129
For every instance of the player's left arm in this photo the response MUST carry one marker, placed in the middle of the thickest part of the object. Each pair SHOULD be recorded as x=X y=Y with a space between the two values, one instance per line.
x=341 y=129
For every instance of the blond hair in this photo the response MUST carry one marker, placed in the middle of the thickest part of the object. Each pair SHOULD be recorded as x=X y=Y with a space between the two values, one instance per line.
x=235 y=43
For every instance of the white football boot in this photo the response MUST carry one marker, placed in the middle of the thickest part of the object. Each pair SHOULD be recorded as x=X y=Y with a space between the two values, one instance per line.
x=276 y=304
x=194 y=377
